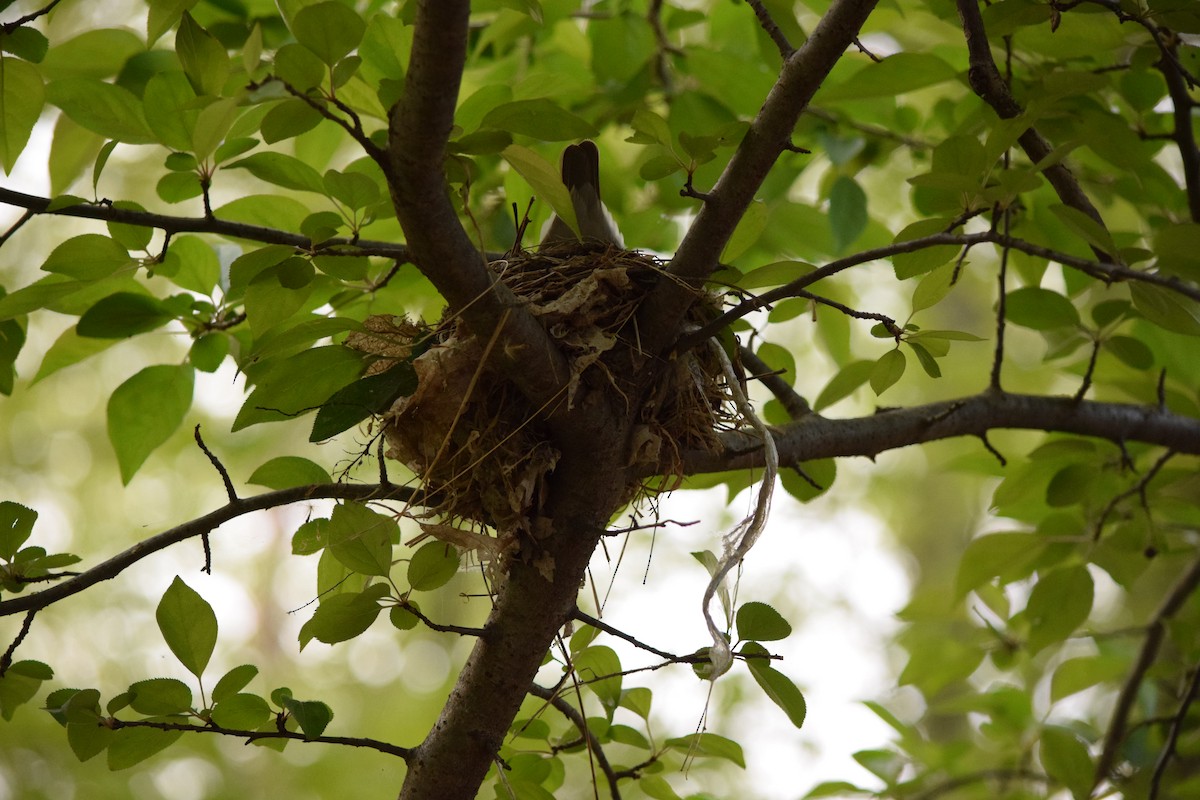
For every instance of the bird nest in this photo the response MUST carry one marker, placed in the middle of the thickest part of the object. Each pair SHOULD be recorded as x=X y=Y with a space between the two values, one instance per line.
x=481 y=450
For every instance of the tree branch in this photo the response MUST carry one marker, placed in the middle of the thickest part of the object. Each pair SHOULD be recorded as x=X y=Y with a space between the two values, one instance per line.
x=1114 y=736
x=770 y=132
x=419 y=127
x=253 y=736
x=552 y=697
x=793 y=403
x=172 y=225
x=198 y=527
x=991 y=87
x=772 y=29
x=817 y=437
x=1101 y=270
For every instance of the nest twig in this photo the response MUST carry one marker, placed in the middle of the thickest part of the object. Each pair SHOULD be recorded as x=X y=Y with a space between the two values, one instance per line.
x=476 y=442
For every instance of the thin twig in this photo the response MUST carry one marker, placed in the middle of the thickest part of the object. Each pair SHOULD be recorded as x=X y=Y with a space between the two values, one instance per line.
x=254 y=736
x=1164 y=758
x=772 y=29
x=197 y=527
x=7 y=659
x=577 y=719
x=1101 y=270
x=9 y=27
x=173 y=224
x=461 y=630
x=1156 y=629
x=1001 y=308
x=220 y=468
x=1138 y=488
x=795 y=405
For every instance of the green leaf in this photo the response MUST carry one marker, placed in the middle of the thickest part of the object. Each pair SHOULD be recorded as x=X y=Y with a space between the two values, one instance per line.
x=285 y=472
x=1086 y=228
x=1066 y=759
x=844 y=383
x=1077 y=674
x=22 y=97
x=540 y=119
x=847 y=212
x=25 y=42
x=70 y=348
x=747 y=233
x=281 y=170
x=353 y=189
x=884 y=764
x=402 y=617
x=925 y=358
x=233 y=682
x=188 y=625
x=918 y=262
x=289 y=387
x=637 y=700
x=656 y=786
x=289 y=118
x=145 y=410
x=896 y=74
x=545 y=179
x=122 y=315
x=432 y=566
x=112 y=111
x=96 y=53
x=777 y=686
x=373 y=394
x=344 y=616
x=205 y=60
x=245 y=712
x=212 y=125
x=311 y=537
x=89 y=256
x=20 y=683
x=1178 y=250
x=361 y=539
x=887 y=370
x=1132 y=352
x=164 y=14
x=1007 y=556
x=709 y=744
x=1166 y=309
x=761 y=623
x=1059 y=603
x=131 y=746
x=1040 y=309
x=329 y=29
x=933 y=288
x=600 y=669
x=158 y=697
x=16 y=526
x=622 y=44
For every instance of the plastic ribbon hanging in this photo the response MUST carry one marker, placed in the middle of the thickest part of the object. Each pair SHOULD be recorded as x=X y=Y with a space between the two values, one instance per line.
x=738 y=542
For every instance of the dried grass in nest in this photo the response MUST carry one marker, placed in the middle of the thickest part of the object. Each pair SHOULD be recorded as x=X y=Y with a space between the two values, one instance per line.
x=473 y=439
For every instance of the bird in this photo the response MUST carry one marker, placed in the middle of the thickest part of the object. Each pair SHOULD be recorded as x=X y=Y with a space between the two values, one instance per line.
x=581 y=176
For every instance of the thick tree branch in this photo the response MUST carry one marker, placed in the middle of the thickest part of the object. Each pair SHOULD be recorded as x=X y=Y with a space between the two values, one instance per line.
x=419 y=128
x=198 y=527
x=991 y=87
x=802 y=74
x=817 y=437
